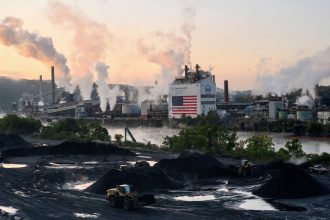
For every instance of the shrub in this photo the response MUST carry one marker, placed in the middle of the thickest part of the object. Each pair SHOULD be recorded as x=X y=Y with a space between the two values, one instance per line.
x=294 y=148
x=13 y=124
x=71 y=129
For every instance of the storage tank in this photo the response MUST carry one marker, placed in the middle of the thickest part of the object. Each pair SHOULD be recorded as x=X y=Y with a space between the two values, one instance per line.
x=304 y=115
x=283 y=114
x=274 y=107
x=146 y=105
x=131 y=109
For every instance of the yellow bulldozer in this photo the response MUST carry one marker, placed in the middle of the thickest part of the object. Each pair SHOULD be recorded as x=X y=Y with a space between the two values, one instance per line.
x=123 y=197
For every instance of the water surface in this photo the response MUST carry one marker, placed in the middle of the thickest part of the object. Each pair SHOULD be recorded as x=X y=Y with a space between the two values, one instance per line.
x=156 y=136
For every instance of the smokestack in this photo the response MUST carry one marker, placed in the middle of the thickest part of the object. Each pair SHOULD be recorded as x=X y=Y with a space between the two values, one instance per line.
x=197 y=72
x=226 y=91
x=186 y=69
x=214 y=78
x=53 y=85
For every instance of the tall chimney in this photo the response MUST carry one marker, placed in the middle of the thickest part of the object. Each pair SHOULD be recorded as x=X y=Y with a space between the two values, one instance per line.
x=214 y=78
x=186 y=69
x=53 y=85
x=197 y=72
x=226 y=91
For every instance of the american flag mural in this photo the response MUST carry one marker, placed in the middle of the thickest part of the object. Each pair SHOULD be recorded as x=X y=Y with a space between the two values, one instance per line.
x=184 y=105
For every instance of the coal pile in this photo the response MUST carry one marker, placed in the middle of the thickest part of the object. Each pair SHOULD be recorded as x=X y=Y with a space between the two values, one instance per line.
x=67 y=148
x=290 y=182
x=192 y=166
x=143 y=179
x=9 y=141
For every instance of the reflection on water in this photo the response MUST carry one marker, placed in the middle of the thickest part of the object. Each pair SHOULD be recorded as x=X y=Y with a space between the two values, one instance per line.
x=156 y=136
x=151 y=163
x=80 y=185
x=256 y=204
x=195 y=198
x=86 y=215
x=12 y=165
x=8 y=209
x=145 y=134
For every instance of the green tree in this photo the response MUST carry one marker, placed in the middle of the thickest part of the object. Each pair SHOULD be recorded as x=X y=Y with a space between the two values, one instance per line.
x=72 y=129
x=260 y=147
x=97 y=132
x=206 y=138
x=283 y=154
x=119 y=138
x=294 y=148
x=324 y=158
x=19 y=125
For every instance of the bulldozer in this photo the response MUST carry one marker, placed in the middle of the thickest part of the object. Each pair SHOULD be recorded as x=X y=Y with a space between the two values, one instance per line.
x=245 y=169
x=123 y=197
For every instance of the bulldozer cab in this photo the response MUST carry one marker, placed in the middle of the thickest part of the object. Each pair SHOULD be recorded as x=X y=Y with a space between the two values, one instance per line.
x=124 y=188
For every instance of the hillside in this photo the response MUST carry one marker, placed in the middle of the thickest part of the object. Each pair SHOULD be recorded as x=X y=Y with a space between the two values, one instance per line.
x=11 y=90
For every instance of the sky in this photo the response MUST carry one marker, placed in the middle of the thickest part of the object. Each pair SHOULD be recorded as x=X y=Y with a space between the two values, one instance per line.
x=238 y=40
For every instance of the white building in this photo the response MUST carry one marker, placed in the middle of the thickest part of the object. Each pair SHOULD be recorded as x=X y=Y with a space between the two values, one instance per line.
x=323 y=116
x=192 y=95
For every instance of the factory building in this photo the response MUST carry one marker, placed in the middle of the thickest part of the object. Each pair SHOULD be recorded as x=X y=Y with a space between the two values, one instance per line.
x=193 y=94
x=154 y=108
x=323 y=116
x=274 y=107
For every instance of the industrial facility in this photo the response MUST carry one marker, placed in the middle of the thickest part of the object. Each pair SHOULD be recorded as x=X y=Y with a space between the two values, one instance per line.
x=57 y=103
x=193 y=94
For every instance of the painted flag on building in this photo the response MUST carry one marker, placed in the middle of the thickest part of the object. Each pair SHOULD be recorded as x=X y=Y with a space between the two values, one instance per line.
x=184 y=105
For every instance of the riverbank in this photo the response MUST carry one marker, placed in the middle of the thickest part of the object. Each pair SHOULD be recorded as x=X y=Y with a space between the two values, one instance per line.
x=312 y=138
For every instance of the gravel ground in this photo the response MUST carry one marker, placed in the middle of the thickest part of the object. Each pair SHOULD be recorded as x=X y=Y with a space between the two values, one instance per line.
x=41 y=190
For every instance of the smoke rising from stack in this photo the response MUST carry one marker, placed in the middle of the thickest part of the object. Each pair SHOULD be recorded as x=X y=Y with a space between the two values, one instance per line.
x=176 y=52
x=305 y=74
x=188 y=28
x=35 y=46
x=89 y=40
x=102 y=82
x=177 y=47
x=306 y=100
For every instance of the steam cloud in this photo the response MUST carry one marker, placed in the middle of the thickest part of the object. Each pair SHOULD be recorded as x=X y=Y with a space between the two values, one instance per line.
x=106 y=95
x=174 y=54
x=102 y=82
x=306 y=100
x=305 y=74
x=89 y=40
x=177 y=48
x=32 y=45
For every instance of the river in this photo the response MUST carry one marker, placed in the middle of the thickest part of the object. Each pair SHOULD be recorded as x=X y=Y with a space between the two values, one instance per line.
x=156 y=135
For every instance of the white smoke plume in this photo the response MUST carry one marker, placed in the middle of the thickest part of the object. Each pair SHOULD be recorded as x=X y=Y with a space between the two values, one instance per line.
x=175 y=52
x=106 y=94
x=114 y=92
x=305 y=74
x=103 y=84
x=306 y=100
x=90 y=40
x=33 y=45
x=188 y=28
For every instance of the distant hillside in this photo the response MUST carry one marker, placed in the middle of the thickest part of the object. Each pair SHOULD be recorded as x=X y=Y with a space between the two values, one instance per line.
x=11 y=90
